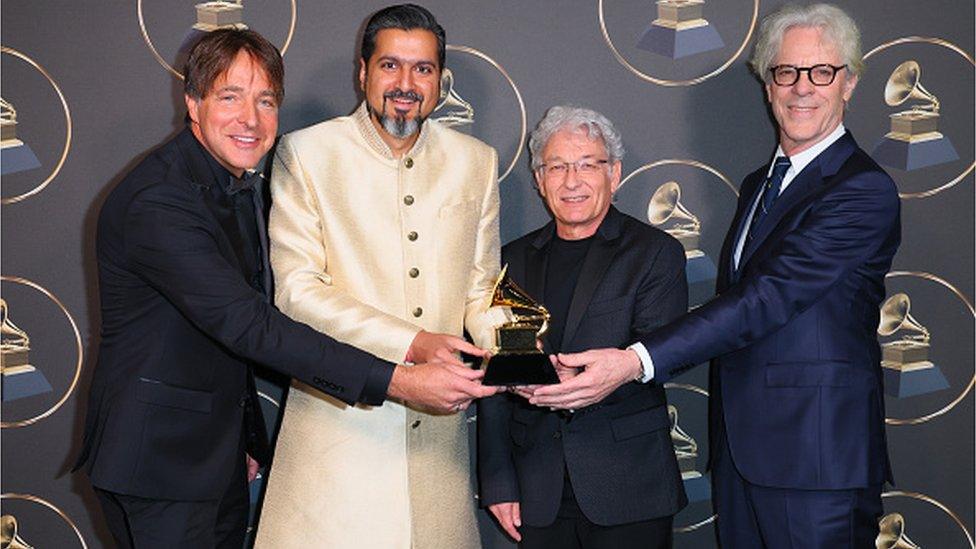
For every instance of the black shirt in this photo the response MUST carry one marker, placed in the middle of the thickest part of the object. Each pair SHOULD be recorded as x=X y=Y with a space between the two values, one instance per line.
x=562 y=272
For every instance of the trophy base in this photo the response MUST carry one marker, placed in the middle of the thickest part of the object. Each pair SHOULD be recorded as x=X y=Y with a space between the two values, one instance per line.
x=23 y=384
x=912 y=155
x=530 y=368
x=697 y=487
x=700 y=272
x=681 y=42
x=16 y=156
x=913 y=379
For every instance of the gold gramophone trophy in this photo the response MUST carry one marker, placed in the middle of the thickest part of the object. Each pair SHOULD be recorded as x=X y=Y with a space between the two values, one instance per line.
x=914 y=140
x=9 y=539
x=685 y=447
x=516 y=359
x=19 y=377
x=907 y=368
x=680 y=30
x=665 y=205
x=892 y=533
x=452 y=110
x=220 y=14
x=15 y=155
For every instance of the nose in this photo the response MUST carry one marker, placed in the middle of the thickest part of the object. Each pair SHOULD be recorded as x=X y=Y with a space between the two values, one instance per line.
x=803 y=85
x=405 y=78
x=573 y=180
x=248 y=115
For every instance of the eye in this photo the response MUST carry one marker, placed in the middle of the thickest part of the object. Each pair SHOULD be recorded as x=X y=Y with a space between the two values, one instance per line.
x=557 y=167
x=269 y=103
x=587 y=166
x=425 y=69
x=387 y=65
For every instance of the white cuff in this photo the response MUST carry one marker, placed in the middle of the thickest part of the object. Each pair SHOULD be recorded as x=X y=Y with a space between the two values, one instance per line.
x=647 y=365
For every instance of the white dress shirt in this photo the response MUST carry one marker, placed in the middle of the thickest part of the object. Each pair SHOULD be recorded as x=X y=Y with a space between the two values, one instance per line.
x=798 y=162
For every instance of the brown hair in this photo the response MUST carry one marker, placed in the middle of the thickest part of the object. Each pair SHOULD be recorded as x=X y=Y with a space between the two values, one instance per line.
x=214 y=53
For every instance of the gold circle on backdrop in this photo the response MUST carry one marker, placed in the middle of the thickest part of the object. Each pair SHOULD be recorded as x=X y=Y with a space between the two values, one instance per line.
x=67 y=121
x=78 y=347
x=262 y=394
x=178 y=74
x=675 y=83
x=939 y=505
x=697 y=390
x=680 y=162
x=518 y=97
x=967 y=57
x=41 y=501
x=969 y=387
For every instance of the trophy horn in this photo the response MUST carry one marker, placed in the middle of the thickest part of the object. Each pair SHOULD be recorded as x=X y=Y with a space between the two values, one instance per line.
x=892 y=533
x=8 y=534
x=7 y=111
x=666 y=204
x=10 y=335
x=904 y=84
x=684 y=444
x=895 y=316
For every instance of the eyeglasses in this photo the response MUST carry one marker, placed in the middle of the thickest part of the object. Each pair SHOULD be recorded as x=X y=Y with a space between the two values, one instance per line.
x=583 y=166
x=819 y=75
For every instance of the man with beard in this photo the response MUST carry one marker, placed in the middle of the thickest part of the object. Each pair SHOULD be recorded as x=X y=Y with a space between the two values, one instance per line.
x=384 y=235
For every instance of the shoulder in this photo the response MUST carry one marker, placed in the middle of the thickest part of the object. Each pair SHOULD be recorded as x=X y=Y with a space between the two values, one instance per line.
x=456 y=140
x=516 y=247
x=322 y=132
x=647 y=238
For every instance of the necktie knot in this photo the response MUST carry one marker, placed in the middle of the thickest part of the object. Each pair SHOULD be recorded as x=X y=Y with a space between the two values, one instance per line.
x=244 y=183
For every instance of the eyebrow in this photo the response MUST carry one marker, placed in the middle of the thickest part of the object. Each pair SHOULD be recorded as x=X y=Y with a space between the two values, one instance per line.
x=403 y=61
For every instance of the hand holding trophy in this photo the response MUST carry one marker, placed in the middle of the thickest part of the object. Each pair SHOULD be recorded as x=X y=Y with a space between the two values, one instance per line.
x=516 y=359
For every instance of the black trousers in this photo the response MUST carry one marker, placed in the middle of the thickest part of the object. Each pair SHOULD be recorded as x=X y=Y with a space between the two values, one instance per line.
x=572 y=530
x=146 y=523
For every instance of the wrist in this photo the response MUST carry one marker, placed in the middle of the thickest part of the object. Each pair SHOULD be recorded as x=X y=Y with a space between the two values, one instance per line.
x=636 y=365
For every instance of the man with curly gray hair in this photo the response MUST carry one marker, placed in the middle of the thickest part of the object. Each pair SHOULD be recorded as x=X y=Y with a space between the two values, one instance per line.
x=606 y=474
x=797 y=437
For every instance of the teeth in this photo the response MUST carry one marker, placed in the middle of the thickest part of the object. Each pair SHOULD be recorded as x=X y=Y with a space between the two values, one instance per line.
x=574 y=199
x=246 y=139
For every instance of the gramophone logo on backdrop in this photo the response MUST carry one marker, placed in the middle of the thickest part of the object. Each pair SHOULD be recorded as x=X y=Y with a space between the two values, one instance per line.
x=15 y=155
x=905 y=360
x=914 y=140
x=697 y=486
x=9 y=536
x=20 y=378
x=452 y=110
x=220 y=14
x=680 y=30
x=666 y=211
x=892 y=533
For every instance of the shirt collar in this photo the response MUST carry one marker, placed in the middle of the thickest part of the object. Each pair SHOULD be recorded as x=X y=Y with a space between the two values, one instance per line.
x=369 y=132
x=800 y=160
x=230 y=183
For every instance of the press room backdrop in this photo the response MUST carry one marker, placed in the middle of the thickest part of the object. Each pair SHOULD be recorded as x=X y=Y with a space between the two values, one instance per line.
x=89 y=88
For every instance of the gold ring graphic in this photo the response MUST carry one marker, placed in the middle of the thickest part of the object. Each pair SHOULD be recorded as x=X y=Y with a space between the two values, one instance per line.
x=967 y=57
x=969 y=387
x=41 y=501
x=518 y=97
x=67 y=131
x=680 y=162
x=176 y=73
x=697 y=390
x=78 y=347
x=932 y=501
x=674 y=83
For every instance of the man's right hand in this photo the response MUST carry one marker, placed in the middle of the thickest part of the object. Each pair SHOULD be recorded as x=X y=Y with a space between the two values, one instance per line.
x=431 y=346
x=509 y=515
x=438 y=386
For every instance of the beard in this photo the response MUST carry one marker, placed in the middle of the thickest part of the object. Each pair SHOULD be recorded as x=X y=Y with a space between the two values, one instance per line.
x=398 y=125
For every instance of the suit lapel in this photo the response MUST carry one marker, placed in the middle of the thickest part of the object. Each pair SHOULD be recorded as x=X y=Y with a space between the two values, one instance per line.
x=747 y=195
x=595 y=265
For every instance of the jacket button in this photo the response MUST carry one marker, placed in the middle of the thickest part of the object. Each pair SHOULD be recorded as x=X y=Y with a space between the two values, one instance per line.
x=408 y=162
x=415 y=424
x=417 y=312
x=557 y=435
x=408 y=200
x=414 y=272
x=412 y=235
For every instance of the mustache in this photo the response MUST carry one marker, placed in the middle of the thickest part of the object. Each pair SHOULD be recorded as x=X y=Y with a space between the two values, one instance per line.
x=400 y=94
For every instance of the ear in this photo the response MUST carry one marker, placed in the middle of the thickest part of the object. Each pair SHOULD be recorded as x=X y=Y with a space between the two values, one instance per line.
x=539 y=185
x=769 y=92
x=362 y=75
x=615 y=169
x=192 y=108
x=850 y=82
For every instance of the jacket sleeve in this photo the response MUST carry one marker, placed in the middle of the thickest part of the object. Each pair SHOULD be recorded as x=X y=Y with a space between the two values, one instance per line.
x=171 y=243
x=303 y=287
x=846 y=229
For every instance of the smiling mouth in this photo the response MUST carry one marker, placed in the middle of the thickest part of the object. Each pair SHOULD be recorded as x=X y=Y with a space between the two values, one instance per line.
x=574 y=199
x=244 y=139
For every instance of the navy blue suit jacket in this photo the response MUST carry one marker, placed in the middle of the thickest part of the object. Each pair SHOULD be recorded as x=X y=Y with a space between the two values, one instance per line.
x=618 y=452
x=796 y=380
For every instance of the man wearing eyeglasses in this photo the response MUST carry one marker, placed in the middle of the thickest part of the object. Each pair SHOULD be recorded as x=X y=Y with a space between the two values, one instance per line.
x=604 y=476
x=797 y=436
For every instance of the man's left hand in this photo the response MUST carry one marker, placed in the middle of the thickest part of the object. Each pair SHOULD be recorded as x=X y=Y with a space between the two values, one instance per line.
x=252 y=468
x=603 y=371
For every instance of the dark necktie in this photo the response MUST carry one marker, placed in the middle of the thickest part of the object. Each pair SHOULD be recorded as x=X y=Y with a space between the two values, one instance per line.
x=241 y=192
x=770 y=193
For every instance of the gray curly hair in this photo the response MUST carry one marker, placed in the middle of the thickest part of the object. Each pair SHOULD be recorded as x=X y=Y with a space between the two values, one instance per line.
x=562 y=117
x=838 y=28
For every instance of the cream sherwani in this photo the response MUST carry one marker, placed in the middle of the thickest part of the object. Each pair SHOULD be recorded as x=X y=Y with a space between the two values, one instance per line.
x=370 y=249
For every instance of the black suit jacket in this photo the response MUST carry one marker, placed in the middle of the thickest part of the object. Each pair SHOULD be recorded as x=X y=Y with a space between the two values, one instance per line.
x=172 y=401
x=618 y=452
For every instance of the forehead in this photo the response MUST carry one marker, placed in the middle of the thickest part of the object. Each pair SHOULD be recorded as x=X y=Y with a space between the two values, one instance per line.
x=243 y=71
x=803 y=45
x=573 y=142
x=413 y=45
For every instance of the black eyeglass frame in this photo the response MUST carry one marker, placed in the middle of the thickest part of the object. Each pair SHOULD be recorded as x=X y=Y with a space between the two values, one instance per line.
x=809 y=71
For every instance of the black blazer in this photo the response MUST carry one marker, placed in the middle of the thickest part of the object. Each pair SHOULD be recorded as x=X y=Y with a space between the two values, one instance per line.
x=172 y=401
x=618 y=452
